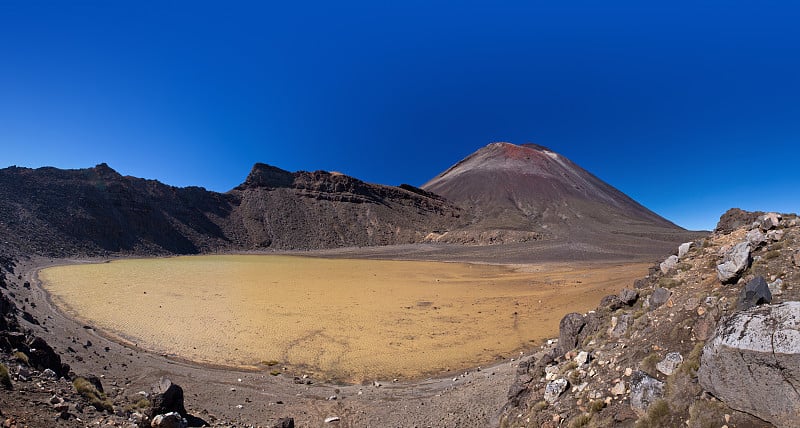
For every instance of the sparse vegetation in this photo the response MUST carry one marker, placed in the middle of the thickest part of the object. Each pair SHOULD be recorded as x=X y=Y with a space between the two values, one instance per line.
x=140 y=404
x=597 y=406
x=569 y=366
x=580 y=421
x=270 y=363
x=772 y=254
x=657 y=415
x=539 y=406
x=5 y=378
x=95 y=398
x=706 y=414
x=22 y=358
x=648 y=364
x=275 y=372
x=669 y=283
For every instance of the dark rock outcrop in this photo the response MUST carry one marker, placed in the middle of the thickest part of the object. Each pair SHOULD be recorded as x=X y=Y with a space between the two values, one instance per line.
x=752 y=363
x=735 y=218
x=573 y=329
x=755 y=292
x=42 y=356
x=166 y=397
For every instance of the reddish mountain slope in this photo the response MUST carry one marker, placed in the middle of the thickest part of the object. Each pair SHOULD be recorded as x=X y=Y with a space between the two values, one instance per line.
x=506 y=187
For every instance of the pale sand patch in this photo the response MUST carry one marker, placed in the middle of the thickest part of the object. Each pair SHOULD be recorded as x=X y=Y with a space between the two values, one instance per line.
x=342 y=319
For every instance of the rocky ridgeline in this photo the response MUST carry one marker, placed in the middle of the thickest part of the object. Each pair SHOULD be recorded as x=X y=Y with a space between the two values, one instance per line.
x=709 y=338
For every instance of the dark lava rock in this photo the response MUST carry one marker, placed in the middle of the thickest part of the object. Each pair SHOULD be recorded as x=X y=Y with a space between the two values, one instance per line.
x=167 y=397
x=573 y=329
x=659 y=297
x=735 y=218
x=284 y=423
x=41 y=356
x=628 y=297
x=755 y=292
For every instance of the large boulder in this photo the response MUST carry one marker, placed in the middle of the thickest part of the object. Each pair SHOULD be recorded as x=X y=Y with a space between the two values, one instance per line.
x=735 y=218
x=669 y=263
x=42 y=356
x=735 y=261
x=683 y=249
x=752 y=363
x=659 y=297
x=755 y=292
x=573 y=329
x=167 y=397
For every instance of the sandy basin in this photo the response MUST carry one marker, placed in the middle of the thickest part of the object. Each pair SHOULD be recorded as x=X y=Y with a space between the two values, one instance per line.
x=343 y=319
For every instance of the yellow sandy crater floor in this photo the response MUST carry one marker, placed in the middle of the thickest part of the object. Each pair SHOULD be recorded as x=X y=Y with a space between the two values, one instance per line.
x=343 y=319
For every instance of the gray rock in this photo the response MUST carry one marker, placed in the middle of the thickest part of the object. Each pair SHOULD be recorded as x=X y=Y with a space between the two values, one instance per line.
x=573 y=329
x=669 y=263
x=796 y=259
x=769 y=221
x=169 y=420
x=166 y=397
x=644 y=391
x=775 y=235
x=776 y=287
x=619 y=325
x=612 y=302
x=628 y=297
x=756 y=238
x=735 y=261
x=670 y=363
x=752 y=363
x=755 y=292
x=659 y=297
x=683 y=249
x=554 y=389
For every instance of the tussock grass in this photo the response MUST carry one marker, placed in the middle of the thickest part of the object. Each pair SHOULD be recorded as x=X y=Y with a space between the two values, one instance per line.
x=21 y=357
x=95 y=398
x=5 y=378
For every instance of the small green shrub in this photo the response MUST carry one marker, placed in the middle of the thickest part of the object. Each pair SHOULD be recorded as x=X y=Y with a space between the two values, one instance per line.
x=270 y=363
x=141 y=404
x=275 y=372
x=580 y=421
x=95 y=398
x=541 y=405
x=772 y=254
x=569 y=366
x=683 y=266
x=669 y=283
x=5 y=378
x=597 y=406
x=657 y=415
x=22 y=358
x=648 y=364
x=706 y=414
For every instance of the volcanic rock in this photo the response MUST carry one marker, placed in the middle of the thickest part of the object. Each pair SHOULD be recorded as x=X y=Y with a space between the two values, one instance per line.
x=659 y=297
x=735 y=261
x=645 y=390
x=166 y=397
x=573 y=329
x=669 y=263
x=753 y=363
x=755 y=292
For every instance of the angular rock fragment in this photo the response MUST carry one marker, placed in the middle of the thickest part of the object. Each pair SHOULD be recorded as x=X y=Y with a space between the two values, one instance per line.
x=735 y=261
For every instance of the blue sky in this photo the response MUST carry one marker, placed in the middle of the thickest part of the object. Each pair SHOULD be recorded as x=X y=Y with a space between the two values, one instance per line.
x=690 y=109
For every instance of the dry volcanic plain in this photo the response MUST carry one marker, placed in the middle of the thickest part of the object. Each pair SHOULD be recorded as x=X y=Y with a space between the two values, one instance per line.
x=342 y=320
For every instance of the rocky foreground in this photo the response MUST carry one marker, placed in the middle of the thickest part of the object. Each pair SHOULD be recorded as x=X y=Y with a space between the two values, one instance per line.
x=708 y=339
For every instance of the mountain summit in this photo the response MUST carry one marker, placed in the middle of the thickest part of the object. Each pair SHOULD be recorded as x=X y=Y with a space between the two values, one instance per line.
x=508 y=187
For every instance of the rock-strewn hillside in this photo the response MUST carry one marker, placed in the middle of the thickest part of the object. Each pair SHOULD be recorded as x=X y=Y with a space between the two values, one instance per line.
x=97 y=211
x=709 y=338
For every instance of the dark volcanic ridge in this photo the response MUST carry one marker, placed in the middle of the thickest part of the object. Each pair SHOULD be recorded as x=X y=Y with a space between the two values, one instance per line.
x=502 y=194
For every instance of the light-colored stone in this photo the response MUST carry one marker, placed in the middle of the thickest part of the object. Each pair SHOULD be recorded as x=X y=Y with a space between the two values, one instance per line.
x=735 y=261
x=582 y=358
x=769 y=221
x=756 y=238
x=618 y=388
x=169 y=420
x=669 y=263
x=752 y=363
x=670 y=363
x=554 y=389
x=775 y=235
x=776 y=287
x=619 y=325
x=683 y=249
x=644 y=391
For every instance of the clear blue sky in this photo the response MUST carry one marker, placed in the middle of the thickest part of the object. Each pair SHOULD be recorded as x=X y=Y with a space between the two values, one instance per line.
x=688 y=109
